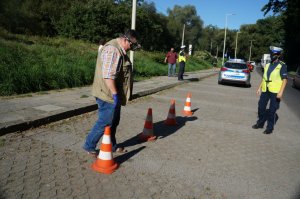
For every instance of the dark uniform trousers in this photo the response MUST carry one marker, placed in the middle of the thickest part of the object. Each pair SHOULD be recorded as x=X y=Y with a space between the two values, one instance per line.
x=181 y=70
x=268 y=114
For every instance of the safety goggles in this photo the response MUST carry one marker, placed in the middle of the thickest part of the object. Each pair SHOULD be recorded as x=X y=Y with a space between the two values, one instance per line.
x=133 y=45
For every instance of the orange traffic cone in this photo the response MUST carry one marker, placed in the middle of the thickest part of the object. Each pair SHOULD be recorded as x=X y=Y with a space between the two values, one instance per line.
x=147 y=134
x=187 y=108
x=171 y=119
x=105 y=163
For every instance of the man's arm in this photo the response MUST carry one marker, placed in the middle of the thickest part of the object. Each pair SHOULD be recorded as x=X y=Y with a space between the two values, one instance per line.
x=110 y=83
x=283 y=85
x=111 y=58
x=258 y=91
x=166 y=58
x=283 y=74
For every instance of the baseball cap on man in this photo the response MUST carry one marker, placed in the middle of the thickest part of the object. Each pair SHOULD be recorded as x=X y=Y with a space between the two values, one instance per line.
x=275 y=50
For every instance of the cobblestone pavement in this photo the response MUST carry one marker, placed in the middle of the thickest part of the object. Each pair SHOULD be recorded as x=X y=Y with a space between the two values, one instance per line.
x=213 y=154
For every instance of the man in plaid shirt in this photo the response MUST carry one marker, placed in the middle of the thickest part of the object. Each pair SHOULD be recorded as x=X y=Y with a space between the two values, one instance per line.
x=112 y=88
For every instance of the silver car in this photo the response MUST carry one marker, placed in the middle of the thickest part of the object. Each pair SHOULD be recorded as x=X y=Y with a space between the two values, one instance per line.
x=235 y=71
x=296 y=79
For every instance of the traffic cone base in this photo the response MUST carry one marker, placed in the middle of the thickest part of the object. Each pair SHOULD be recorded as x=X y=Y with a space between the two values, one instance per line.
x=171 y=122
x=105 y=167
x=105 y=162
x=146 y=138
x=187 y=113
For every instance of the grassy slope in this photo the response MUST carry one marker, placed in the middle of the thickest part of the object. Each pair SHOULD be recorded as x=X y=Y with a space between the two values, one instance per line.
x=31 y=64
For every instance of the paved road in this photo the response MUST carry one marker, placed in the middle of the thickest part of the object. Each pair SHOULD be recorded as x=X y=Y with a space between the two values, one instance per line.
x=213 y=154
x=292 y=98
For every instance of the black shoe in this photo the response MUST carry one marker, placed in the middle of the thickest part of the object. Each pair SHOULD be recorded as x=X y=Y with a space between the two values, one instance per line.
x=256 y=126
x=267 y=131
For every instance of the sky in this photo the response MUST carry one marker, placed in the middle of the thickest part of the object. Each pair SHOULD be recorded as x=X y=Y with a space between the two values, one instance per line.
x=214 y=11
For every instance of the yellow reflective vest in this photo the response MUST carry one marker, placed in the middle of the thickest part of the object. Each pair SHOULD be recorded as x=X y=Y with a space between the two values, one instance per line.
x=181 y=58
x=274 y=82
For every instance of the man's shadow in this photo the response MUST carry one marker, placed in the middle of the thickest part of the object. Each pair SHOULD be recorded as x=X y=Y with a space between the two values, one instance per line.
x=161 y=130
x=126 y=156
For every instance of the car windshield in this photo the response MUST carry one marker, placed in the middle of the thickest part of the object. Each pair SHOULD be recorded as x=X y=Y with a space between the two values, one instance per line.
x=235 y=65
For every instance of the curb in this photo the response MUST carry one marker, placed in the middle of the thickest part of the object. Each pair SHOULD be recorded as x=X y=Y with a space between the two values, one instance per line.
x=23 y=126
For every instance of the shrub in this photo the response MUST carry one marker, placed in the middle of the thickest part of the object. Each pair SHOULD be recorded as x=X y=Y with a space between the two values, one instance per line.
x=32 y=64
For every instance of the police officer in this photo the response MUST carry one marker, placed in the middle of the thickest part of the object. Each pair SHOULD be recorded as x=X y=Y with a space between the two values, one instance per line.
x=271 y=89
x=181 y=60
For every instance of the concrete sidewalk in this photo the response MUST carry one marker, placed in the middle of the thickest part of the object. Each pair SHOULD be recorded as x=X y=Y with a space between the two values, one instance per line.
x=20 y=113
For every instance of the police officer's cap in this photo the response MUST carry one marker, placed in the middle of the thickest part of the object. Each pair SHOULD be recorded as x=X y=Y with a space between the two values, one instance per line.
x=275 y=50
x=182 y=47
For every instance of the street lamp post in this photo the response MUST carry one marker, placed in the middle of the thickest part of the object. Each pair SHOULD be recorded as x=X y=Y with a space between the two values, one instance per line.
x=225 y=36
x=250 y=49
x=133 y=19
x=183 y=35
x=236 y=39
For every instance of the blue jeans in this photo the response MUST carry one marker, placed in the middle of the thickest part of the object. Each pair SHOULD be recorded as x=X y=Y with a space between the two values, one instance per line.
x=265 y=114
x=108 y=115
x=171 y=69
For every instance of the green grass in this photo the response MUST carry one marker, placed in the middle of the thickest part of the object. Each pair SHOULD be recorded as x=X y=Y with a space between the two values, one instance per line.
x=38 y=64
x=31 y=64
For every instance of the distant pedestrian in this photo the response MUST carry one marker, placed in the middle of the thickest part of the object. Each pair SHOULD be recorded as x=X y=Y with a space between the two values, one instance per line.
x=112 y=88
x=181 y=60
x=171 y=58
x=271 y=89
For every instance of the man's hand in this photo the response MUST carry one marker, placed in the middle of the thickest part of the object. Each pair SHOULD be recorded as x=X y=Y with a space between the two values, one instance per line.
x=279 y=95
x=258 y=92
x=116 y=99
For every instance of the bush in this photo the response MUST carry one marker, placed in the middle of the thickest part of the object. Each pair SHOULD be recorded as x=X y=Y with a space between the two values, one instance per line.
x=32 y=64
x=44 y=64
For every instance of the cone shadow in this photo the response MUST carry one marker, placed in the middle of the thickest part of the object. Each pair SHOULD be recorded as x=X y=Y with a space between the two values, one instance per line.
x=130 y=142
x=161 y=130
x=126 y=156
x=194 y=110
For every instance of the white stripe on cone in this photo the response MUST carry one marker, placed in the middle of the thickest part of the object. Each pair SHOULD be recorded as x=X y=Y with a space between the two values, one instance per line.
x=148 y=118
x=105 y=155
x=148 y=131
x=186 y=108
x=172 y=116
x=106 y=139
x=188 y=99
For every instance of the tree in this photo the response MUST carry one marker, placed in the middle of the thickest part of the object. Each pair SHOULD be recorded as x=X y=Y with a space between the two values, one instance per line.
x=276 y=6
x=264 y=33
x=151 y=26
x=187 y=15
x=290 y=10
